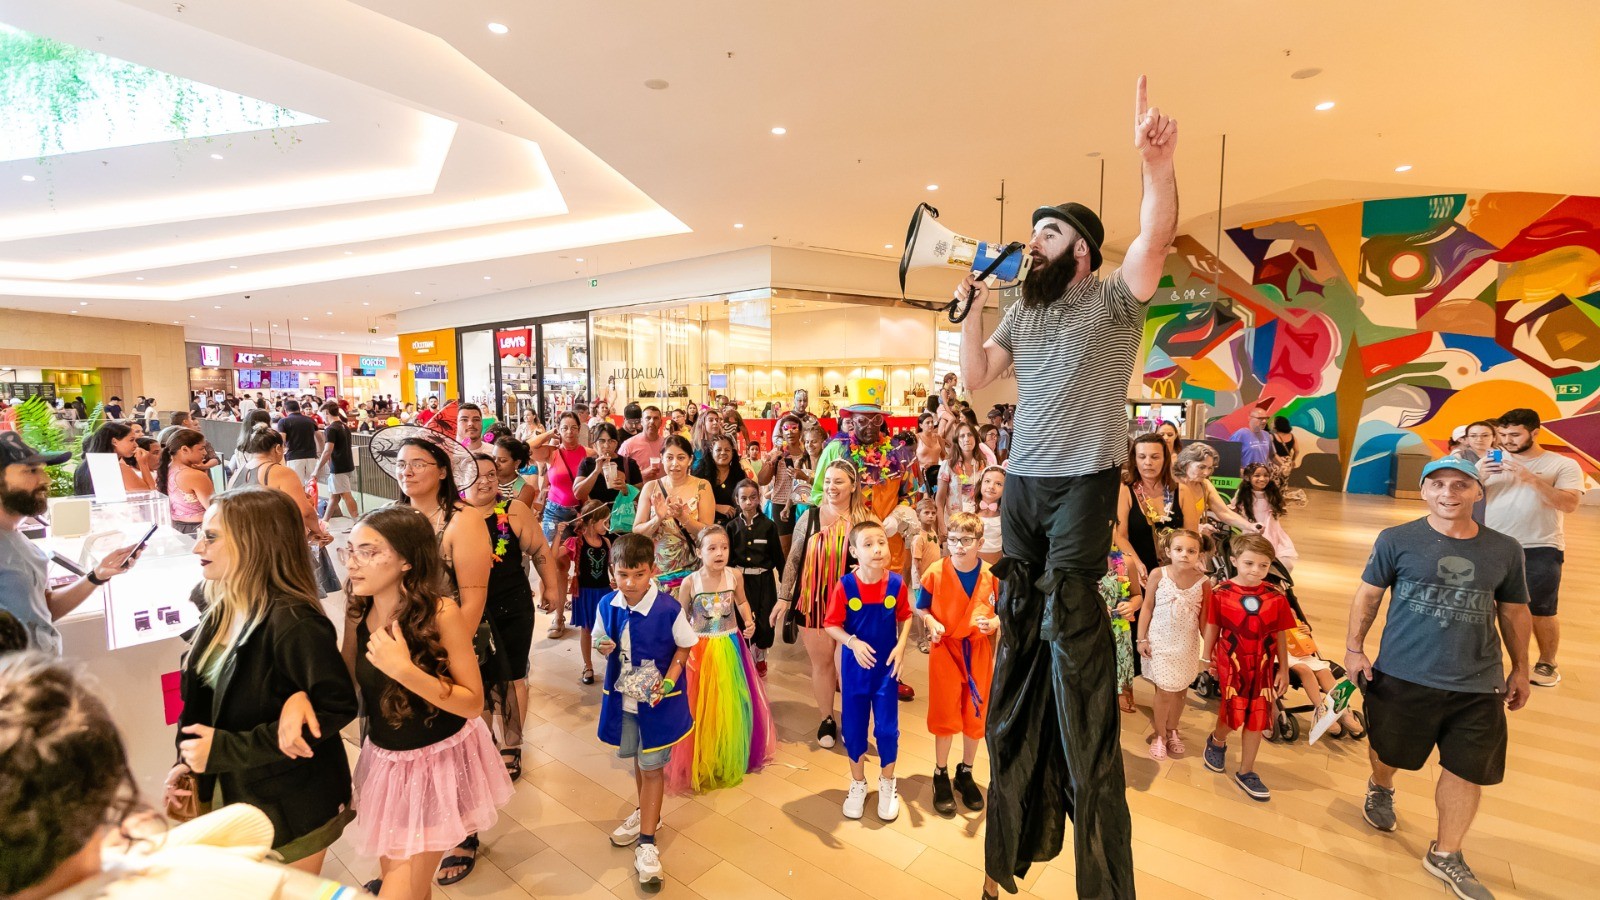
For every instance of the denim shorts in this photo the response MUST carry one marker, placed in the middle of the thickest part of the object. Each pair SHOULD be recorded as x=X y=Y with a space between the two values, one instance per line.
x=650 y=760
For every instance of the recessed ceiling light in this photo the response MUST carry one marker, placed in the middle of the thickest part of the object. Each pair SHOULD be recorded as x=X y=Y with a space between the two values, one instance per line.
x=216 y=307
x=138 y=278
x=365 y=303
x=349 y=253
x=83 y=303
x=1324 y=106
x=580 y=259
x=888 y=246
x=73 y=311
x=1402 y=168
x=497 y=28
x=330 y=313
x=216 y=156
x=656 y=84
x=191 y=317
x=486 y=277
x=174 y=321
x=417 y=293
x=780 y=130
x=738 y=224
x=28 y=178
x=933 y=187
x=233 y=267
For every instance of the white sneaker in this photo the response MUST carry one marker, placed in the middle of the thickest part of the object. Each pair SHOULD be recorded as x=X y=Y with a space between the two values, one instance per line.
x=647 y=862
x=627 y=832
x=856 y=800
x=888 y=799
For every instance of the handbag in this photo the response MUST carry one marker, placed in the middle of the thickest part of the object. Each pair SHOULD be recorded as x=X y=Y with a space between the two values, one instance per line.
x=182 y=809
x=327 y=575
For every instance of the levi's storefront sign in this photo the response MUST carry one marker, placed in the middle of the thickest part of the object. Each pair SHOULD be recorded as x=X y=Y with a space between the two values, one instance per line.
x=256 y=358
x=516 y=342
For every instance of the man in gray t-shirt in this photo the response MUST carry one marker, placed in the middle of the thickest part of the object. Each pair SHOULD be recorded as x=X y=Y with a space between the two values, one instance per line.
x=1456 y=594
x=1530 y=490
x=24 y=586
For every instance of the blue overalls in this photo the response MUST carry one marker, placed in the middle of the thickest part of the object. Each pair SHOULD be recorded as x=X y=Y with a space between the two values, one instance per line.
x=874 y=691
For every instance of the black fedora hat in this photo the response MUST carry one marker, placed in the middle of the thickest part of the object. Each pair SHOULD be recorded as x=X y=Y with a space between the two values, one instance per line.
x=1083 y=220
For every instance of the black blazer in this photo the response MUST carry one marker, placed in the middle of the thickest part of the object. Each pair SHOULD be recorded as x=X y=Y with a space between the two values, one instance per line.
x=292 y=648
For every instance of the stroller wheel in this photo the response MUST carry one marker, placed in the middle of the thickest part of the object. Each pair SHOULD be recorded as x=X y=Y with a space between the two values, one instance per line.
x=1288 y=728
x=1361 y=719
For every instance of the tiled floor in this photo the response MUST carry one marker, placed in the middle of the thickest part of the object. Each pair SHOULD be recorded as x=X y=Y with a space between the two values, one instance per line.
x=781 y=835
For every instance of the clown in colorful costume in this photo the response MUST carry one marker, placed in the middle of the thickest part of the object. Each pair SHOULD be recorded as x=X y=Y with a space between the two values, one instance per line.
x=885 y=471
x=734 y=732
x=878 y=614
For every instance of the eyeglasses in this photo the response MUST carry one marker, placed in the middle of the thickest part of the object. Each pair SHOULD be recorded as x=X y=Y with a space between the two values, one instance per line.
x=404 y=466
x=361 y=555
x=954 y=541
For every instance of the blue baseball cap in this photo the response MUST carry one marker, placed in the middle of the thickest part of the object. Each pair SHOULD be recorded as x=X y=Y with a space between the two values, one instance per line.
x=1451 y=462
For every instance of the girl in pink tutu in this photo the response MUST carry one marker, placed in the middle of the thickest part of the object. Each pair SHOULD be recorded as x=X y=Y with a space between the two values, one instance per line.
x=429 y=773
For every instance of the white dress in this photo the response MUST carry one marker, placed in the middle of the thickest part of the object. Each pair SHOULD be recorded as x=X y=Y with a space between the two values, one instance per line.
x=1174 y=635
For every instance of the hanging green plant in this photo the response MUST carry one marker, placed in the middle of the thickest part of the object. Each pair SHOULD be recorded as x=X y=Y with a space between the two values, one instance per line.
x=37 y=424
x=65 y=99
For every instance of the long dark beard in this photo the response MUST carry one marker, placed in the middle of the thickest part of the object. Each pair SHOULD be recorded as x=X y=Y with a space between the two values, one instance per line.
x=1048 y=283
x=25 y=503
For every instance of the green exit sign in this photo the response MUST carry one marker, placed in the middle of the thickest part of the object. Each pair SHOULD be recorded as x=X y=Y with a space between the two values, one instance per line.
x=594 y=282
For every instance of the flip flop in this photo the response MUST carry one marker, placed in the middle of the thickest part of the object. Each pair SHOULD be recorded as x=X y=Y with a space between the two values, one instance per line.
x=465 y=863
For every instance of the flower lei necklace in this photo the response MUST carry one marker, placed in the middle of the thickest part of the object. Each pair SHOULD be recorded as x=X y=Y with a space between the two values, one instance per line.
x=1154 y=511
x=1115 y=588
x=875 y=464
x=502 y=525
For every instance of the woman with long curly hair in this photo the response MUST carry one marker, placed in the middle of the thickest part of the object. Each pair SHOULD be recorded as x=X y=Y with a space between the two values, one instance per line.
x=818 y=558
x=429 y=774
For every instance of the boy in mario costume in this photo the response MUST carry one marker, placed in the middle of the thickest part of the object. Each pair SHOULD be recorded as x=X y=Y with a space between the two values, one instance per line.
x=956 y=605
x=869 y=614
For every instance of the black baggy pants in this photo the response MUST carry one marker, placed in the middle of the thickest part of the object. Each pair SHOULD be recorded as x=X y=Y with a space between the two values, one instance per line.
x=1053 y=723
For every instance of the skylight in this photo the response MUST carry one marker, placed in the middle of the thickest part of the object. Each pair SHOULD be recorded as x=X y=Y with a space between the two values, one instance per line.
x=63 y=99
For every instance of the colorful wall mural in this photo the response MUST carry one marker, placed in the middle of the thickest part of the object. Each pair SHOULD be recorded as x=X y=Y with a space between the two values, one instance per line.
x=1377 y=327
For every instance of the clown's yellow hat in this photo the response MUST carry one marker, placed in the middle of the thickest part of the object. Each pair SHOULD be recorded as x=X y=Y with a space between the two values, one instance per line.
x=867 y=395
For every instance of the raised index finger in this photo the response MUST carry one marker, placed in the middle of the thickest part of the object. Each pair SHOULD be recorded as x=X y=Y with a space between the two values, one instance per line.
x=1140 y=104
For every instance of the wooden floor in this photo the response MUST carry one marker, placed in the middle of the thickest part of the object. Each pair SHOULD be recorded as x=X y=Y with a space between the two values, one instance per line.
x=781 y=835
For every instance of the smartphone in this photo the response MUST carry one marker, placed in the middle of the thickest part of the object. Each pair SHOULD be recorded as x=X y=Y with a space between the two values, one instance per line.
x=1497 y=455
x=139 y=547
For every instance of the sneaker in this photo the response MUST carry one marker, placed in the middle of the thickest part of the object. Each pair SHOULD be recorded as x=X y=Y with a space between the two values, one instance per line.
x=944 y=798
x=971 y=794
x=1379 y=808
x=1216 y=754
x=907 y=694
x=1158 y=748
x=922 y=645
x=1175 y=746
x=855 y=800
x=827 y=733
x=888 y=799
x=647 y=862
x=1545 y=675
x=1451 y=868
x=627 y=832
x=1251 y=784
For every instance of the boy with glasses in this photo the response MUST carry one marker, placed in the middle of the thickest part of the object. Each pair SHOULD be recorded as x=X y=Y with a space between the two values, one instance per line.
x=955 y=602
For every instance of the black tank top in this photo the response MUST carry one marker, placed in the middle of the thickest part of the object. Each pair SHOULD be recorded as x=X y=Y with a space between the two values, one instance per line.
x=1142 y=533
x=427 y=725
x=508 y=580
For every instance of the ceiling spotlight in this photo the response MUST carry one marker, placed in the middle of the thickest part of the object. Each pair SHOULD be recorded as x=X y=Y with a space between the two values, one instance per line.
x=497 y=28
x=486 y=277
x=888 y=246
x=330 y=313
x=580 y=259
x=738 y=224
x=302 y=318
x=83 y=303
x=216 y=156
x=780 y=130
x=216 y=307
x=138 y=278
x=1402 y=168
x=417 y=293
x=365 y=303
x=349 y=253
x=233 y=267
x=28 y=178
x=73 y=311
x=191 y=317
x=933 y=187
x=1324 y=106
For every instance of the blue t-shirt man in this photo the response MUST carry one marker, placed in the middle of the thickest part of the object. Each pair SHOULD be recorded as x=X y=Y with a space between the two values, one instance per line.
x=1254 y=442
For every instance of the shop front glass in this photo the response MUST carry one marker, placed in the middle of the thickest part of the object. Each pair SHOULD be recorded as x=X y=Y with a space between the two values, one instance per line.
x=516 y=368
x=757 y=351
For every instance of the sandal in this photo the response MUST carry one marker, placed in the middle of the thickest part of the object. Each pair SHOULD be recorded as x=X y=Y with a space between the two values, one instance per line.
x=558 y=630
x=513 y=761
x=1125 y=702
x=373 y=887
x=588 y=675
x=464 y=863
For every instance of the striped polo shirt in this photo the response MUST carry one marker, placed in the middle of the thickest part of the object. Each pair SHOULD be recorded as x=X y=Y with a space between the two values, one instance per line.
x=1073 y=360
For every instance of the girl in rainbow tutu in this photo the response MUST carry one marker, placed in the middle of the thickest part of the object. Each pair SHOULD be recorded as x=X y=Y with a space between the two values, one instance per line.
x=733 y=732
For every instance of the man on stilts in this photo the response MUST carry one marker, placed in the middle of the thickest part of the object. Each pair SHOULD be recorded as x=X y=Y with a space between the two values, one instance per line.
x=1073 y=340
